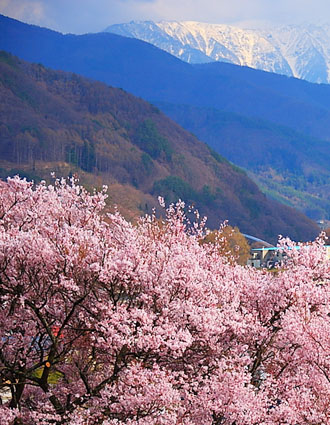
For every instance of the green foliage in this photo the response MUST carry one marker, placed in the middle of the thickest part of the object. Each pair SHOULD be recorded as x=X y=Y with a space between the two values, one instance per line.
x=207 y=196
x=88 y=158
x=219 y=158
x=11 y=79
x=97 y=123
x=71 y=155
x=29 y=175
x=147 y=163
x=54 y=376
x=154 y=109
x=150 y=141
x=13 y=84
x=173 y=188
x=316 y=205
x=252 y=205
x=222 y=160
x=83 y=157
x=7 y=58
x=25 y=97
x=238 y=169
x=125 y=124
x=33 y=130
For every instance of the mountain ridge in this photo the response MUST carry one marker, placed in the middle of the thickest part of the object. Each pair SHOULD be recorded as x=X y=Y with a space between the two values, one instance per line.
x=58 y=121
x=148 y=72
x=156 y=76
x=278 y=158
x=301 y=51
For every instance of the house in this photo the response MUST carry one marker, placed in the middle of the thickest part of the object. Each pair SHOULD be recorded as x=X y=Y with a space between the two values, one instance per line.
x=266 y=257
x=270 y=257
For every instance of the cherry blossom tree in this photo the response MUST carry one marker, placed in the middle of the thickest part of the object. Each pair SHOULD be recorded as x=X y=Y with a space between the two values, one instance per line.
x=103 y=322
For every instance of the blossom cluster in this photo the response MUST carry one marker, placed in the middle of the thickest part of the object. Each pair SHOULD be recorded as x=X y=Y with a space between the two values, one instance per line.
x=106 y=322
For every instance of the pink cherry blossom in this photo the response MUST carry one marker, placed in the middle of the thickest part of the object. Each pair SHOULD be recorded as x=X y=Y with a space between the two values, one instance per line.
x=105 y=322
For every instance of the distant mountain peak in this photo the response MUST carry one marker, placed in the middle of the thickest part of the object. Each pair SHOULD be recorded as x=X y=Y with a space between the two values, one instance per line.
x=302 y=51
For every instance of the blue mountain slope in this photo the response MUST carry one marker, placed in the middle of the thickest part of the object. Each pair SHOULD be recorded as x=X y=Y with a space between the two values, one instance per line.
x=155 y=75
x=151 y=73
x=124 y=62
x=282 y=160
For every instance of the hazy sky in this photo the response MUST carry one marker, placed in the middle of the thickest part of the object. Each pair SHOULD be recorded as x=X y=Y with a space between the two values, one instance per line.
x=81 y=16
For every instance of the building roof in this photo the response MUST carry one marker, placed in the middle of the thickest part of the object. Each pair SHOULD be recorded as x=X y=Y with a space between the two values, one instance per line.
x=278 y=248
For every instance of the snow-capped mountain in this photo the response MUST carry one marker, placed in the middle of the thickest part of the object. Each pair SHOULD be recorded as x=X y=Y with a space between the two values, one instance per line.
x=302 y=51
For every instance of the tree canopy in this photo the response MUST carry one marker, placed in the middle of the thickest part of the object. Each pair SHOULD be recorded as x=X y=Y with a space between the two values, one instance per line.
x=231 y=242
x=103 y=322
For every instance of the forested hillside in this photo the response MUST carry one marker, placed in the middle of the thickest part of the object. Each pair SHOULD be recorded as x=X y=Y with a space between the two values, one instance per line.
x=289 y=165
x=62 y=122
x=303 y=108
x=146 y=71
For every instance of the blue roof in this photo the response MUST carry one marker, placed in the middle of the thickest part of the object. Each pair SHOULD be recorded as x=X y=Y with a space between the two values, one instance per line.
x=278 y=248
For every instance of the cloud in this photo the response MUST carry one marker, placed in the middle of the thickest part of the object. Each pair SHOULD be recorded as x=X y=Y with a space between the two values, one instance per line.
x=79 y=16
x=224 y=11
x=32 y=11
